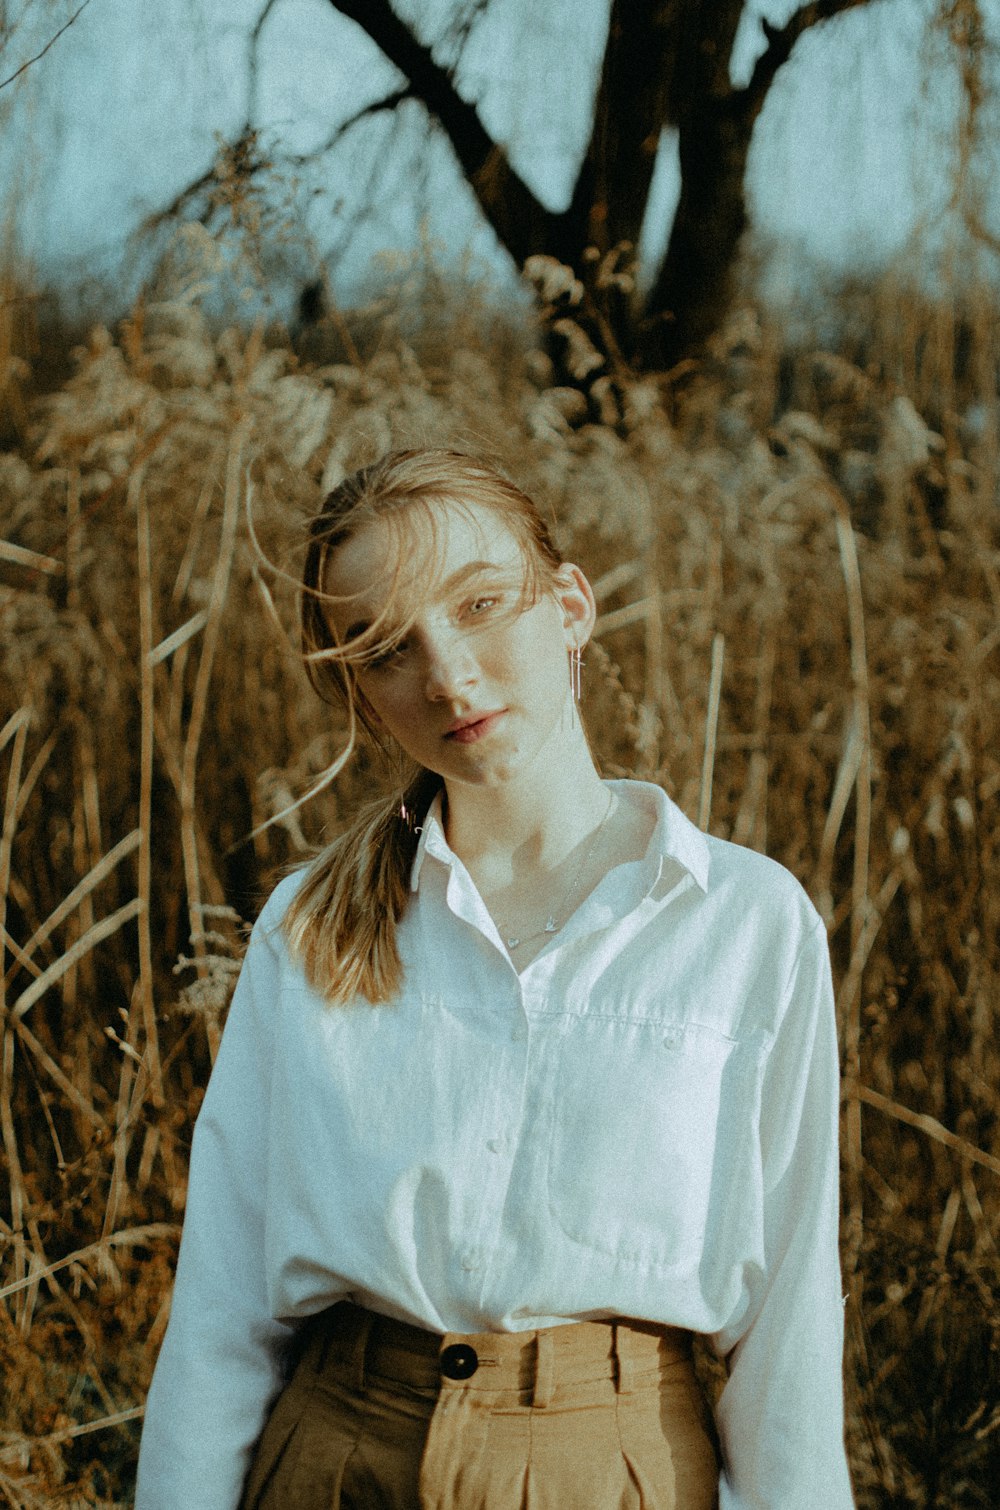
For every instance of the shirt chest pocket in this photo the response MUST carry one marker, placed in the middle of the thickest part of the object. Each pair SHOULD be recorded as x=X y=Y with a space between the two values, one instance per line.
x=654 y=1154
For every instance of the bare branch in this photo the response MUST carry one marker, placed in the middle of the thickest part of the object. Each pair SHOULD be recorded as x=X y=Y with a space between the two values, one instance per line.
x=377 y=107
x=365 y=210
x=258 y=25
x=980 y=231
x=50 y=43
x=517 y=216
x=781 y=40
x=253 y=69
x=464 y=24
x=180 y=202
x=244 y=159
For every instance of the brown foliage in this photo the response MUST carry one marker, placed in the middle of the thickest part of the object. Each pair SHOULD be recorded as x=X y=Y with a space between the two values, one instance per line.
x=799 y=593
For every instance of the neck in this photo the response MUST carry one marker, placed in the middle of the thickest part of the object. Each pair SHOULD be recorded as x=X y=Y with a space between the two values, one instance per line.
x=533 y=820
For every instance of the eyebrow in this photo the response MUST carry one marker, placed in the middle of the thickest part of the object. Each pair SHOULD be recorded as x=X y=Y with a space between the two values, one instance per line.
x=457 y=579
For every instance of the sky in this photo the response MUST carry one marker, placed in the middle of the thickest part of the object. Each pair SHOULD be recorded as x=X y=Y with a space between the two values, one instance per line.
x=850 y=163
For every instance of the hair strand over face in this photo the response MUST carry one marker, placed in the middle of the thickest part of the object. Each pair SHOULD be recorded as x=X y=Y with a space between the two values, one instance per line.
x=341 y=923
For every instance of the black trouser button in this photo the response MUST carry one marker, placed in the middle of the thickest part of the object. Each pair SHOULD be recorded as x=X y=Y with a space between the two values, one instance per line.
x=459 y=1361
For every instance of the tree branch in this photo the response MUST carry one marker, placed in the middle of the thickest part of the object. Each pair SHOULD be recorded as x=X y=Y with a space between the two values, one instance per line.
x=781 y=40
x=980 y=231
x=180 y=201
x=518 y=217
x=50 y=43
x=258 y=25
x=253 y=48
x=388 y=102
x=464 y=24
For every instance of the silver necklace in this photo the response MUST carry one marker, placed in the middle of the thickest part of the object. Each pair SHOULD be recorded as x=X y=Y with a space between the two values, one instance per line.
x=551 y=926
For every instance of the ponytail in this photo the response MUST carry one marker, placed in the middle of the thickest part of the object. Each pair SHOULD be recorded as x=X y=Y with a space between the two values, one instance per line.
x=341 y=924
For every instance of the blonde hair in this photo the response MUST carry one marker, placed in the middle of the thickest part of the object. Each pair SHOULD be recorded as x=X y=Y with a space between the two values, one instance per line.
x=341 y=924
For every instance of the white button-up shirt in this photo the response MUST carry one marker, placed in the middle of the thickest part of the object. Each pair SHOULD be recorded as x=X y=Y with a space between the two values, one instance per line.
x=641 y=1123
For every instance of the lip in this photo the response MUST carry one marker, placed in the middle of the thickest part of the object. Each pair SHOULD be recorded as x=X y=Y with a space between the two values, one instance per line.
x=466 y=731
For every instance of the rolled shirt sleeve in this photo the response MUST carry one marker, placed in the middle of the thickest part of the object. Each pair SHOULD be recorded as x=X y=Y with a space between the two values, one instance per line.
x=221 y=1360
x=781 y=1414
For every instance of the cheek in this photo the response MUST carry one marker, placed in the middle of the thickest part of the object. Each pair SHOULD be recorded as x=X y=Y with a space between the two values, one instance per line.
x=545 y=658
x=392 y=702
x=536 y=641
x=379 y=701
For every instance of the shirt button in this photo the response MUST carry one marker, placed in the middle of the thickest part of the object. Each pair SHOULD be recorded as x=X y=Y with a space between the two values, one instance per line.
x=518 y=1035
x=459 y=1361
x=469 y=1262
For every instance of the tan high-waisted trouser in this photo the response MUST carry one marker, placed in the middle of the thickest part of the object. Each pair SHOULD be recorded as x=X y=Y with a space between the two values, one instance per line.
x=379 y=1415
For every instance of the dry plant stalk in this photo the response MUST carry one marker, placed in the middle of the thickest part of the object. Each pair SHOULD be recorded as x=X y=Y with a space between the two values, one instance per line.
x=138 y=506
x=856 y=744
x=860 y=741
x=711 y=730
x=15 y=731
x=199 y=704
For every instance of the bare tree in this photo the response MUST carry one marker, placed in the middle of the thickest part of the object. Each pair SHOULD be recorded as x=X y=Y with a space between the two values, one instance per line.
x=666 y=64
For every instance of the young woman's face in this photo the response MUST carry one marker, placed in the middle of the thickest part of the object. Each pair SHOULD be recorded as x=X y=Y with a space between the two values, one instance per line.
x=478 y=688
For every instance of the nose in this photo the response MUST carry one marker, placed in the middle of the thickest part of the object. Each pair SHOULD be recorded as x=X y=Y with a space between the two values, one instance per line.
x=450 y=667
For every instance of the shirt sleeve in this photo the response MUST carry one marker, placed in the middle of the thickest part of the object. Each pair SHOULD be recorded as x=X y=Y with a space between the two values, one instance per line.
x=221 y=1360
x=781 y=1414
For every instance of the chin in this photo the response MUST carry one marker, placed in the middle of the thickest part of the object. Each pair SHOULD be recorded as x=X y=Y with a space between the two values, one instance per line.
x=492 y=772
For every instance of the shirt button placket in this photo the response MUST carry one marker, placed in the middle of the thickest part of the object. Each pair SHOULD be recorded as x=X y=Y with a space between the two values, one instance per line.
x=492 y=1189
x=519 y=1027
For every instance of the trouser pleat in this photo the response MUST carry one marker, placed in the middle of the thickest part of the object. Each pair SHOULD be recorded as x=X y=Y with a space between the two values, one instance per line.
x=587 y=1417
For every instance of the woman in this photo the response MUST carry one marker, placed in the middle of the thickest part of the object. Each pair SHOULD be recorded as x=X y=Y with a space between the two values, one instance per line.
x=526 y=1080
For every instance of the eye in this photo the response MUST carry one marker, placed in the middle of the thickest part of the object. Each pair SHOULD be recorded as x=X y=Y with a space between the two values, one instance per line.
x=381 y=660
x=477 y=607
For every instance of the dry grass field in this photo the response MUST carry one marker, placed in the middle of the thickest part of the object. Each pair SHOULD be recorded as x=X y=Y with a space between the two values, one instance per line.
x=797 y=558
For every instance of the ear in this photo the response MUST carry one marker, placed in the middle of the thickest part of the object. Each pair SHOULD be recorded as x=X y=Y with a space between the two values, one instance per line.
x=575 y=597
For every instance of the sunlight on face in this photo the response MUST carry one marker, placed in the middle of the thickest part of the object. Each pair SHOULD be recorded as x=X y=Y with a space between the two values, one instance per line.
x=459 y=659
x=396 y=567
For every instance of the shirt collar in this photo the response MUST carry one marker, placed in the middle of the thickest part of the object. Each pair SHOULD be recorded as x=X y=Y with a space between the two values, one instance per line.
x=675 y=838
x=432 y=842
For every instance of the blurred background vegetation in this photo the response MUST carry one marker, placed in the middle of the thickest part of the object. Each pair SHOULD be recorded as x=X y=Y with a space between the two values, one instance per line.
x=791 y=520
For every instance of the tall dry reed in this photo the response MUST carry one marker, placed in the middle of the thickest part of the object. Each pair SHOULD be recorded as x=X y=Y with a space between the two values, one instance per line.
x=797 y=561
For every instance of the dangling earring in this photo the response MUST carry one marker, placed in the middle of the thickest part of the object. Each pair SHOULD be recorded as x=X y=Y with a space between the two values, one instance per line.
x=575 y=663
x=407 y=818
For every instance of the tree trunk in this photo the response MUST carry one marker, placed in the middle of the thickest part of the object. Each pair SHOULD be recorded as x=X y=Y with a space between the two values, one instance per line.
x=666 y=63
x=693 y=288
x=715 y=123
x=609 y=197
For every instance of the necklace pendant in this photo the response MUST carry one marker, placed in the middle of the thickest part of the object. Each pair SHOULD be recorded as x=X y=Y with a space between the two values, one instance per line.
x=550 y=924
x=513 y=943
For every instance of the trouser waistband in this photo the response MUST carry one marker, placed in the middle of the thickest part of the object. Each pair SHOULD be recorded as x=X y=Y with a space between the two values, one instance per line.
x=357 y=1343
